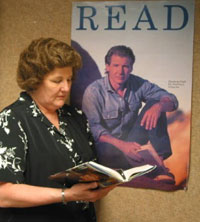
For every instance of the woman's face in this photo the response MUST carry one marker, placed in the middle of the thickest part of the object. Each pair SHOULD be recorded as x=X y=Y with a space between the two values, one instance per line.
x=54 y=89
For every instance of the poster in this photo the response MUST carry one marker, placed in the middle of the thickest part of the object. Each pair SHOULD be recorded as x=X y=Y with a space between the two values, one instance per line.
x=160 y=34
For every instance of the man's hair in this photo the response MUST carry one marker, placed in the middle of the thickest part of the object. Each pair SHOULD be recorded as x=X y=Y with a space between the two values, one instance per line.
x=120 y=50
x=42 y=56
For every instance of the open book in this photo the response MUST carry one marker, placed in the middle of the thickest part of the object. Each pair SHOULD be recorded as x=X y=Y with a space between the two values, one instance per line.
x=94 y=172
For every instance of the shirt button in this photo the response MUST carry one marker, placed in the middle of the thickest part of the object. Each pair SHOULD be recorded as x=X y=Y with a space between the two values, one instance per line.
x=77 y=158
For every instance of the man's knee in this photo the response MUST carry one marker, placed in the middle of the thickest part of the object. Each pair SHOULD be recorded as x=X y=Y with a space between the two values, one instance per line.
x=111 y=156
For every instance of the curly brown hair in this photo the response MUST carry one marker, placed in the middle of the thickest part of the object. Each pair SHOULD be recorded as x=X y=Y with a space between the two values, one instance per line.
x=42 y=56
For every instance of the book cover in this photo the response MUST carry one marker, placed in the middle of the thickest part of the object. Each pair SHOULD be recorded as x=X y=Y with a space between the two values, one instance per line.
x=104 y=176
x=160 y=33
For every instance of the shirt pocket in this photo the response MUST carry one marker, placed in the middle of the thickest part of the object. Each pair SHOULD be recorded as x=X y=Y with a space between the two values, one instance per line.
x=110 y=114
x=111 y=118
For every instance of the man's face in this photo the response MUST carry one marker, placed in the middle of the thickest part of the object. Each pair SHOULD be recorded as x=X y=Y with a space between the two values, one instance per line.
x=119 y=70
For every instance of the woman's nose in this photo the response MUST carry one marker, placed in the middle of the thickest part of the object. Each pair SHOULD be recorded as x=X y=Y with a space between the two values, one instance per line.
x=66 y=86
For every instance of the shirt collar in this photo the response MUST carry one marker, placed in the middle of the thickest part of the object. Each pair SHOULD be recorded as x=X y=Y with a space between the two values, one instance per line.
x=32 y=107
x=108 y=86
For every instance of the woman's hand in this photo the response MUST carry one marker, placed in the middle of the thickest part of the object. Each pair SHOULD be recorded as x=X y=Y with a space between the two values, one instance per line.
x=86 y=192
x=22 y=195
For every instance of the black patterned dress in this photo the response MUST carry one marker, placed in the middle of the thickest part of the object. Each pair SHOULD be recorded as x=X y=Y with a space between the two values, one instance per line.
x=31 y=149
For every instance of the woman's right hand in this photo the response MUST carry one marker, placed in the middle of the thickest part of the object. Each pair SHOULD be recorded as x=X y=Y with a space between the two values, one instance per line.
x=23 y=195
x=86 y=192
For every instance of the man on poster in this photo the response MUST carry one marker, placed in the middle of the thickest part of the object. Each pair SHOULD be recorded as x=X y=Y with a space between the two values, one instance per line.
x=120 y=125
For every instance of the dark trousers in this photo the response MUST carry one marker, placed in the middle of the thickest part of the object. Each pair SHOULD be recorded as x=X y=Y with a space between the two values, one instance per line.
x=110 y=156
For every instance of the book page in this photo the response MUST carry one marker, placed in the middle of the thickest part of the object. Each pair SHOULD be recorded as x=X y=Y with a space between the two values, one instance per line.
x=138 y=171
x=106 y=170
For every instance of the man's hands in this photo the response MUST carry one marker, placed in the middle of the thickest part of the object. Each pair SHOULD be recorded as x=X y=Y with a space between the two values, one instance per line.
x=151 y=116
x=86 y=192
x=149 y=121
x=130 y=149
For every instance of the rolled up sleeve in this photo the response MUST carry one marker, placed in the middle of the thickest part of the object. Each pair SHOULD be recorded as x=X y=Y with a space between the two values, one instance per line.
x=149 y=91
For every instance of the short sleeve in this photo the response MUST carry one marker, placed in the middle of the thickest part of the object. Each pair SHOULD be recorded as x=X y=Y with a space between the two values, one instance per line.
x=13 y=148
x=84 y=124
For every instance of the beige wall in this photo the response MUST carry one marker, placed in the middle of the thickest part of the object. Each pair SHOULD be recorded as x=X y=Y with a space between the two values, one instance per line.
x=24 y=20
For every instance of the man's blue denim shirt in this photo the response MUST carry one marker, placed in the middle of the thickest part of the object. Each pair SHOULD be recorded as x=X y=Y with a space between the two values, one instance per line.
x=109 y=113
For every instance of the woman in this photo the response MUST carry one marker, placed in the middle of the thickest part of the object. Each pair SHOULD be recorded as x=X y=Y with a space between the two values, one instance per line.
x=41 y=135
